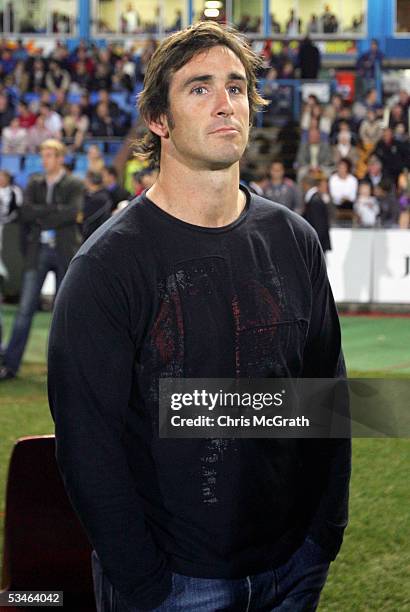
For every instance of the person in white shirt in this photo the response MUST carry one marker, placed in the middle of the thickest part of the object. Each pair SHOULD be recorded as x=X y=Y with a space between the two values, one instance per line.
x=14 y=139
x=366 y=206
x=52 y=120
x=343 y=185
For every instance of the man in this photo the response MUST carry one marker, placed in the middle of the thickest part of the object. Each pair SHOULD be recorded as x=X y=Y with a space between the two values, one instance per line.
x=196 y=278
x=392 y=154
x=52 y=120
x=308 y=59
x=281 y=189
x=367 y=62
x=314 y=156
x=97 y=203
x=51 y=204
x=117 y=193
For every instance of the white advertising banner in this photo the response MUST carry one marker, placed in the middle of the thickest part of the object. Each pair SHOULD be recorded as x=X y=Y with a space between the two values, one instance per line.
x=391 y=266
x=349 y=264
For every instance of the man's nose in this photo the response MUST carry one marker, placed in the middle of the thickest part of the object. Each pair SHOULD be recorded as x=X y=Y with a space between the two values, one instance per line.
x=223 y=103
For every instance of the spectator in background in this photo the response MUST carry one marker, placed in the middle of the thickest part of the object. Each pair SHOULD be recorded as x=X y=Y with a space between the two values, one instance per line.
x=6 y=111
x=75 y=127
x=275 y=25
x=404 y=101
x=316 y=209
x=374 y=173
x=25 y=116
x=129 y=20
x=391 y=152
x=37 y=135
x=293 y=24
x=367 y=62
x=343 y=186
x=404 y=199
x=396 y=116
x=11 y=199
x=313 y=156
x=259 y=181
x=50 y=209
x=284 y=57
x=21 y=77
x=52 y=120
x=370 y=102
x=60 y=104
x=95 y=159
x=116 y=192
x=37 y=80
x=97 y=203
x=80 y=79
x=332 y=109
x=388 y=202
x=371 y=129
x=57 y=78
x=344 y=148
x=144 y=179
x=148 y=51
x=14 y=139
x=366 y=206
x=308 y=59
x=344 y=117
x=314 y=26
x=329 y=21
x=102 y=77
x=281 y=189
x=103 y=124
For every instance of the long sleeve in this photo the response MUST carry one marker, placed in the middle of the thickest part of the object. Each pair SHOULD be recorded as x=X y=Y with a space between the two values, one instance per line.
x=91 y=358
x=65 y=214
x=323 y=358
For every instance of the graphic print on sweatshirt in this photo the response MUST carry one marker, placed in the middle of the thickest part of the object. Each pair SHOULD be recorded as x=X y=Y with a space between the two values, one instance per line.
x=212 y=325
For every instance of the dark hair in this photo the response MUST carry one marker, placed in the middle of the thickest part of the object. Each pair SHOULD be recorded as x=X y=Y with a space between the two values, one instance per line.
x=346 y=160
x=171 y=55
x=95 y=178
x=112 y=171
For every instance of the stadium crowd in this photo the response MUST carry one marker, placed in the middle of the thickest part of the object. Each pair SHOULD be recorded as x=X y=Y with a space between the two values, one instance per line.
x=352 y=156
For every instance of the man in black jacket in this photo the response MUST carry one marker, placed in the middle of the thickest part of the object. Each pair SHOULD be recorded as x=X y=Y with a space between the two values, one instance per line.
x=50 y=212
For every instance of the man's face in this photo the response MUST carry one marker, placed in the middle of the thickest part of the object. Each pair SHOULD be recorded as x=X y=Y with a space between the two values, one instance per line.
x=276 y=172
x=52 y=162
x=208 y=123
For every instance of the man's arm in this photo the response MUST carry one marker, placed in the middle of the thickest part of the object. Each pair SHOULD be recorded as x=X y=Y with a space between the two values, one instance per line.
x=65 y=214
x=31 y=211
x=91 y=359
x=323 y=358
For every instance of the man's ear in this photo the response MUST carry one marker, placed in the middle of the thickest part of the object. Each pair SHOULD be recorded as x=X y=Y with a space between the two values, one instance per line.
x=159 y=126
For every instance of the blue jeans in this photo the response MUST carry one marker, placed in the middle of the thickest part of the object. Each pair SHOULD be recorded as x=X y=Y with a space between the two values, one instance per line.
x=295 y=586
x=33 y=280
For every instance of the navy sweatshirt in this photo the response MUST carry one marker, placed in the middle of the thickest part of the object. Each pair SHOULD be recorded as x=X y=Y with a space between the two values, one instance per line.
x=150 y=296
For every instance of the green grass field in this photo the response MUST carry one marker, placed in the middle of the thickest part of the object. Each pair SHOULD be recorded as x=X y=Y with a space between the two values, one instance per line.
x=372 y=572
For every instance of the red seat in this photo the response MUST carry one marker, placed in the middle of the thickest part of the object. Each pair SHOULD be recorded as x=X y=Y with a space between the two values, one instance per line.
x=45 y=546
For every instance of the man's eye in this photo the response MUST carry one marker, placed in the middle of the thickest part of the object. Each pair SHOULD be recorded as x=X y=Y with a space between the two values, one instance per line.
x=198 y=90
x=235 y=89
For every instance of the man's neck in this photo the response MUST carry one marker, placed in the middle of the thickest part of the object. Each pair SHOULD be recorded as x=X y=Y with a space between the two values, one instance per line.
x=208 y=198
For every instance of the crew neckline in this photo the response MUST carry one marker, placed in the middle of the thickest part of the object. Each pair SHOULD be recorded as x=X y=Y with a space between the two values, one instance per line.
x=199 y=228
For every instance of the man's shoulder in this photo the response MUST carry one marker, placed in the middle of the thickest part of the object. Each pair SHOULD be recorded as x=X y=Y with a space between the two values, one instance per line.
x=72 y=180
x=123 y=233
x=279 y=216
